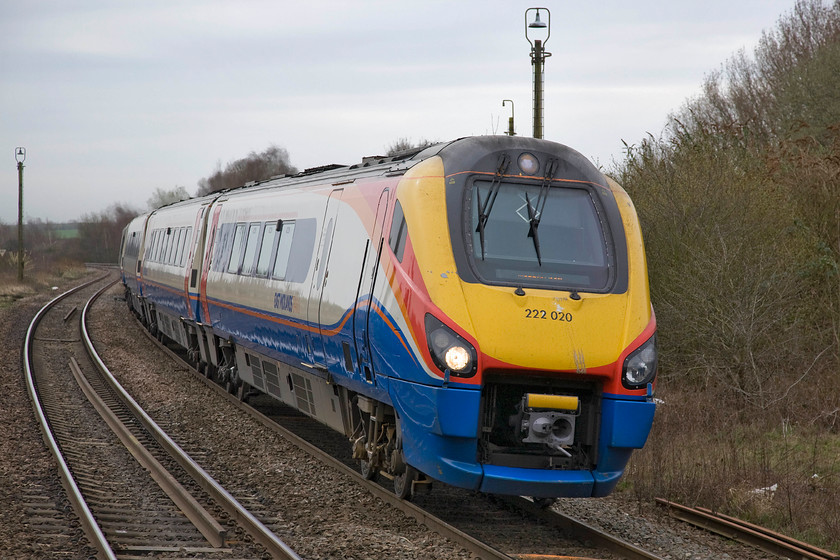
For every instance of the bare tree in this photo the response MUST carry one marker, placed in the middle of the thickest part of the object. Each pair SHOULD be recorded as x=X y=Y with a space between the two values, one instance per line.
x=787 y=84
x=404 y=145
x=272 y=161
x=100 y=233
x=162 y=197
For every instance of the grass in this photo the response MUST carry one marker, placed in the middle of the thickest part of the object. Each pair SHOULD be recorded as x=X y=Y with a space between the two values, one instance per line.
x=767 y=468
x=13 y=291
x=35 y=280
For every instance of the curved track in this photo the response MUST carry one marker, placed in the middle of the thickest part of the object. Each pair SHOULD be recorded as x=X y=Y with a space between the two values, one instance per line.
x=123 y=513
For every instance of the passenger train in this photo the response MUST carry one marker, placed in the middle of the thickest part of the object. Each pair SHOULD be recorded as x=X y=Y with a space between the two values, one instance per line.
x=476 y=312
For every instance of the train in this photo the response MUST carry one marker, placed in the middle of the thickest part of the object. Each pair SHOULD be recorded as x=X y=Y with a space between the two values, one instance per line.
x=476 y=312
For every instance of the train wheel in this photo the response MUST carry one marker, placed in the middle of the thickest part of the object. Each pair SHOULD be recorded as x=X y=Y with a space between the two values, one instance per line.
x=544 y=503
x=402 y=482
x=243 y=392
x=367 y=470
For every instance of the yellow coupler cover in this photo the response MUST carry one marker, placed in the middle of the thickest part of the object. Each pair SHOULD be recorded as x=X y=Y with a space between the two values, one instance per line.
x=552 y=402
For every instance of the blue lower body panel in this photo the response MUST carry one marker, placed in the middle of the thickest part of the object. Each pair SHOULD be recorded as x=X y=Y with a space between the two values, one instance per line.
x=539 y=483
x=440 y=430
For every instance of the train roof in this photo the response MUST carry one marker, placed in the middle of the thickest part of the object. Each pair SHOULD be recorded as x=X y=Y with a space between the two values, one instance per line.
x=370 y=166
x=378 y=166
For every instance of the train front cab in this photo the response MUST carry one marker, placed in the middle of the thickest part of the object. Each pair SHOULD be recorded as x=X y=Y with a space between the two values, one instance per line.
x=562 y=343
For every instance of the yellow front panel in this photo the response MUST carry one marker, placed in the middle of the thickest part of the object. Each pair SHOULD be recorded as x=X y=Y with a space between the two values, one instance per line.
x=544 y=329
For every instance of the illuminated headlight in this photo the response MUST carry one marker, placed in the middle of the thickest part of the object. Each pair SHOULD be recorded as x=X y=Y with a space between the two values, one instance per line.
x=640 y=366
x=449 y=350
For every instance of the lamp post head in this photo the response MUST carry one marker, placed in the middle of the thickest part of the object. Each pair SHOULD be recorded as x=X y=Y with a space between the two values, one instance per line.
x=538 y=25
x=20 y=154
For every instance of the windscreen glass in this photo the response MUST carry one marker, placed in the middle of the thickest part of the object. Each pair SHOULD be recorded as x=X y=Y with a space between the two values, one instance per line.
x=550 y=237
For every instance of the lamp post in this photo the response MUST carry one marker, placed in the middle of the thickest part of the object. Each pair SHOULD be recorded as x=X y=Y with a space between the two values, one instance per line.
x=538 y=56
x=510 y=131
x=20 y=156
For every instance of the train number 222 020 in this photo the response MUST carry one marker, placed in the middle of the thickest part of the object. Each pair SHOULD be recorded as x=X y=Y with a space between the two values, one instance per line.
x=553 y=315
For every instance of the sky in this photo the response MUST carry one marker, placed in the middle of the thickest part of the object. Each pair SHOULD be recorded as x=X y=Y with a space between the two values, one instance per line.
x=113 y=99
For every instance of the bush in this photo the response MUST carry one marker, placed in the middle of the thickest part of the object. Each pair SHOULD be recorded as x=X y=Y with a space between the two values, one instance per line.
x=739 y=200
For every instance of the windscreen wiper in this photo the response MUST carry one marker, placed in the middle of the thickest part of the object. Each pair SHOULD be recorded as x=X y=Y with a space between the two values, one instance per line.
x=532 y=231
x=535 y=212
x=484 y=208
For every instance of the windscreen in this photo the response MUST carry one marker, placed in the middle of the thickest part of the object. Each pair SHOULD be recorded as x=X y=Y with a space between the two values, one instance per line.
x=548 y=237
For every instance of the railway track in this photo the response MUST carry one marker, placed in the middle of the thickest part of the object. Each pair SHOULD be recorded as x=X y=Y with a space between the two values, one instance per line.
x=747 y=533
x=124 y=512
x=496 y=528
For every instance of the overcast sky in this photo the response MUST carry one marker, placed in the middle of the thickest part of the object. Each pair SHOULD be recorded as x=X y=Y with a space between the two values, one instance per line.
x=113 y=99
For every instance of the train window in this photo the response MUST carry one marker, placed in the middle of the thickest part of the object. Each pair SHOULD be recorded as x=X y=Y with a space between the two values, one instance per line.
x=159 y=252
x=551 y=238
x=167 y=246
x=158 y=245
x=236 y=252
x=182 y=239
x=221 y=247
x=172 y=248
x=186 y=243
x=182 y=248
x=284 y=250
x=265 y=249
x=175 y=240
x=153 y=247
x=163 y=241
x=399 y=232
x=176 y=245
x=150 y=248
x=251 y=246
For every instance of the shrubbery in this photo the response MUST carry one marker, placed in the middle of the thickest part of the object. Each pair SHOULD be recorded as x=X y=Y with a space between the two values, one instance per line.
x=739 y=201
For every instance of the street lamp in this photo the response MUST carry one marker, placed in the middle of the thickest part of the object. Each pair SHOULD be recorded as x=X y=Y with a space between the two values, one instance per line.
x=20 y=156
x=538 y=56
x=510 y=131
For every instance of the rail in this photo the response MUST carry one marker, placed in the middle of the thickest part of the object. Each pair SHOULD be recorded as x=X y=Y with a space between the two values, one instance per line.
x=261 y=534
x=89 y=525
x=747 y=533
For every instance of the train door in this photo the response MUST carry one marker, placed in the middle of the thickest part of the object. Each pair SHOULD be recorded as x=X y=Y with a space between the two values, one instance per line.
x=320 y=276
x=194 y=248
x=208 y=249
x=361 y=319
x=122 y=254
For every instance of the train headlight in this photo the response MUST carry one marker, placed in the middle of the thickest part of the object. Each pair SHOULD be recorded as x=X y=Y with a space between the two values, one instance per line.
x=640 y=366
x=449 y=350
x=528 y=163
x=457 y=358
